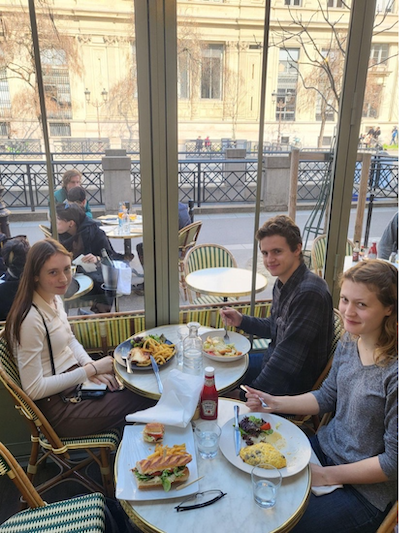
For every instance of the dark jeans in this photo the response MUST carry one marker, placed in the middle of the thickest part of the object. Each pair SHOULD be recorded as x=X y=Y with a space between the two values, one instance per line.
x=342 y=511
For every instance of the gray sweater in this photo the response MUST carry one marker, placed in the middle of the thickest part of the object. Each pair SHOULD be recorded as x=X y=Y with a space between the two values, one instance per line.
x=365 y=423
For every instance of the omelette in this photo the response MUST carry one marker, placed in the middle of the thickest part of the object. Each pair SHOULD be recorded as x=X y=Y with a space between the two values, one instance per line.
x=262 y=452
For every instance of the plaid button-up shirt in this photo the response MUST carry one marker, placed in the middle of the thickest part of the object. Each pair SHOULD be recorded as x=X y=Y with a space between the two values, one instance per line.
x=300 y=328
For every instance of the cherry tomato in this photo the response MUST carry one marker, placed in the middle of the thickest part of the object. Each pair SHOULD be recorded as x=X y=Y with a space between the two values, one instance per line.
x=265 y=426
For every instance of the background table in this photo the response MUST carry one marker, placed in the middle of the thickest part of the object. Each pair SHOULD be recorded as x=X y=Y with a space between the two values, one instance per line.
x=114 y=232
x=85 y=285
x=225 y=281
x=143 y=382
x=236 y=511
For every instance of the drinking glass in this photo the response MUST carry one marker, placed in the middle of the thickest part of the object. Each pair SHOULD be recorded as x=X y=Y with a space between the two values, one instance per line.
x=266 y=480
x=207 y=438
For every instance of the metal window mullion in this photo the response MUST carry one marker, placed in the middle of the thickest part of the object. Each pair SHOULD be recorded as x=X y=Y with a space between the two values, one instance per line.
x=155 y=22
x=355 y=74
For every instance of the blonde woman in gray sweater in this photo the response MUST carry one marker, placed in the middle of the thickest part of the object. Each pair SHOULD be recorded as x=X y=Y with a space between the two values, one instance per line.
x=358 y=448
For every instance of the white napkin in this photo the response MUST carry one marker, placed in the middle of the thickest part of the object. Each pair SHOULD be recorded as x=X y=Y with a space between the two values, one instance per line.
x=324 y=489
x=178 y=401
x=87 y=267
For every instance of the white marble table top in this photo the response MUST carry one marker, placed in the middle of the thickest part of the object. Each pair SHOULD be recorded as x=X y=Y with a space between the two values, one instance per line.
x=143 y=382
x=115 y=232
x=224 y=281
x=236 y=511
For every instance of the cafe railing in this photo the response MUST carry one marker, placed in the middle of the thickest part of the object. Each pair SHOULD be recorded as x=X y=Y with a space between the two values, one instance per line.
x=205 y=181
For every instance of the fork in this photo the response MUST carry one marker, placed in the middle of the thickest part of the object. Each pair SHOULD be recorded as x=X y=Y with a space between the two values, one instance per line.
x=265 y=405
x=226 y=336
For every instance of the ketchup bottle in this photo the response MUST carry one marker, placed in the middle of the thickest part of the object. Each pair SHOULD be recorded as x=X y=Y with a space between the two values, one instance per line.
x=372 y=252
x=209 y=396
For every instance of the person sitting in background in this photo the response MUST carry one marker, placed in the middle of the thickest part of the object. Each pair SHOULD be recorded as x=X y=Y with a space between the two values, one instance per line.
x=183 y=221
x=71 y=178
x=38 y=305
x=358 y=447
x=82 y=236
x=301 y=322
x=13 y=253
x=388 y=244
x=77 y=195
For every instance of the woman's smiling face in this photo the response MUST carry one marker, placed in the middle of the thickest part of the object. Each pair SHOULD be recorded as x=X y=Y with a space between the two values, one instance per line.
x=363 y=314
x=54 y=277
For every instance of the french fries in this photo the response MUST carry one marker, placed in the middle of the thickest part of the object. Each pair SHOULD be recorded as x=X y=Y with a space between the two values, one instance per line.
x=165 y=451
x=160 y=351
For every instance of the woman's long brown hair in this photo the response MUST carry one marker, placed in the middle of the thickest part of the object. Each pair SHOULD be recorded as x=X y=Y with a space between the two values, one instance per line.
x=380 y=277
x=37 y=256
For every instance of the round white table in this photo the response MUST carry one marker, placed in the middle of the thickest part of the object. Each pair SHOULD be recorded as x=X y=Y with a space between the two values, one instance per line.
x=225 y=281
x=115 y=232
x=143 y=382
x=236 y=511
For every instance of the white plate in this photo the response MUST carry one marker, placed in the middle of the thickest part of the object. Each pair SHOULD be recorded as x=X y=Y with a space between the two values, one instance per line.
x=133 y=448
x=242 y=344
x=296 y=449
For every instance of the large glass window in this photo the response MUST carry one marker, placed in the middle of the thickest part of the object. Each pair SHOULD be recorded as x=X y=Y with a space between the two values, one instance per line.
x=56 y=84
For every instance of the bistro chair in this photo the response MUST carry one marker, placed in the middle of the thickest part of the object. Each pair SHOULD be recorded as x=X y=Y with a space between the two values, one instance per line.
x=187 y=238
x=46 y=230
x=84 y=513
x=318 y=250
x=207 y=256
x=44 y=439
x=391 y=520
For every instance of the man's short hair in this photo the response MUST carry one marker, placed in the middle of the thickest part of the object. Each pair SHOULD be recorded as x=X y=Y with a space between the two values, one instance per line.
x=285 y=227
x=76 y=194
x=68 y=175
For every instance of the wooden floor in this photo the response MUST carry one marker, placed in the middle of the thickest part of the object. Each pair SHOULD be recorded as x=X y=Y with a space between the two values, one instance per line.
x=9 y=495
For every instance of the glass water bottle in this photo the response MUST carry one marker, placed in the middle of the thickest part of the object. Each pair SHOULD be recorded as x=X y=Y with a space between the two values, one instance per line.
x=192 y=351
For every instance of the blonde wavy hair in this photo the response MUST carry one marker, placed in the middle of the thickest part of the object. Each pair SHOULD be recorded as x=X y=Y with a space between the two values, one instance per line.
x=380 y=277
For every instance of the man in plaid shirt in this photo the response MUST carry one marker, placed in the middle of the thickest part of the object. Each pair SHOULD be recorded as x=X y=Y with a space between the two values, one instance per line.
x=301 y=322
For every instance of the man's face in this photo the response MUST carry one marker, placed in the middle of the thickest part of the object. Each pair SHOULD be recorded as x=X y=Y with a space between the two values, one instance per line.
x=75 y=181
x=278 y=258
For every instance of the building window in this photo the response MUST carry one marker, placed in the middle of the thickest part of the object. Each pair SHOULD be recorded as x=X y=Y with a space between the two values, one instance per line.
x=211 y=72
x=183 y=74
x=60 y=129
x=56 y=84
x=335 y=3
x=379 y=54
x=326 y=140
x=4 y=129
x=292 y=2
x=384 y=6
x=5 y=100
x=287 y=83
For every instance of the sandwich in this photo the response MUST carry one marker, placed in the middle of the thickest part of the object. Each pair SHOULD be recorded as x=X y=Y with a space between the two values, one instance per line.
x=153 y=432
x=163 y=468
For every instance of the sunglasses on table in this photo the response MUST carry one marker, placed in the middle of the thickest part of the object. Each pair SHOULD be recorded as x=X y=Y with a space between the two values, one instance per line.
x=200 y=499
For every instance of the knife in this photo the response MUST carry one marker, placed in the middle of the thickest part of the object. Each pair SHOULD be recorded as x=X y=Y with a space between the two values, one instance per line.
x=157 y=374
x=237 y=430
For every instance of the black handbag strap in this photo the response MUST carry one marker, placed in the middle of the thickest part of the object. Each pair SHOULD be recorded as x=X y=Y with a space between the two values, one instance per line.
x=53 y=368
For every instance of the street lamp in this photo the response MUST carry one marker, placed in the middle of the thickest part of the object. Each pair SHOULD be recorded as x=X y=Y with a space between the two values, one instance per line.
x=280 y=104
x=97 y=104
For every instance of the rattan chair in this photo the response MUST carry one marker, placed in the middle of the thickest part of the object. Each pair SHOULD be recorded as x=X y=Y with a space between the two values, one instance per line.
x=84 y=513
x=318 y=249
x=391 y=520
x=45 y=230
x=207 y=256
x=44 y=439
x=187 y=238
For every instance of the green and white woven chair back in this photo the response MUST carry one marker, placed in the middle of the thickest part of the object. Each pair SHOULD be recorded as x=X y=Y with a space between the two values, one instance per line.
x=337 y=331
x=205 y=256
x=319 y=248
x=10 y=368
x=187 y=236
x=84 y=514
x=8 y=363
x=4 y=467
